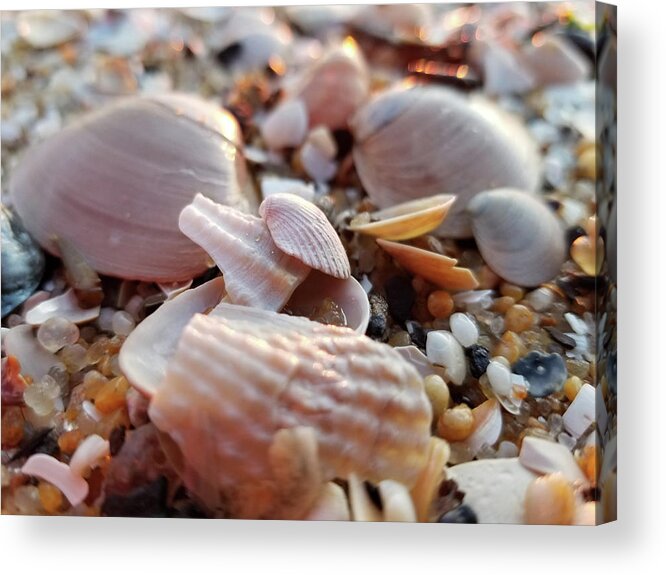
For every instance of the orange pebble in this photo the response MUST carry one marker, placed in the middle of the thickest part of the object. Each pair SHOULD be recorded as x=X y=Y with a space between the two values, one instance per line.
x=50 y=497
x=512 y=291
x=440 y=304
x=503 y=304
x=518 y=318
x=112 y=395
x=12 y=427
x=588 y=463
x=456 y=424
x=510 y=346
x=69 y=441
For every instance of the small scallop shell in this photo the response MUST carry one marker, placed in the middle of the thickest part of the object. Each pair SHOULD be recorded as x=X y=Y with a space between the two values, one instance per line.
x=233 y=384
x=301 y=230
x=425 y=141
x=335 y=86
x=408 y=220
x=518 y=236
x=435 y=268
x=114 y=182
x=256 y=272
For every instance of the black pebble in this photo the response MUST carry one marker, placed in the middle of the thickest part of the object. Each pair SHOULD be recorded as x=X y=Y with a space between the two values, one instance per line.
x=145 y=501
x=378 y=326
x=561 y=338
x=227 y=56
x=479 y=358
x=416 y=333
x=400 y=296
x=545 y=373
x=462 y=514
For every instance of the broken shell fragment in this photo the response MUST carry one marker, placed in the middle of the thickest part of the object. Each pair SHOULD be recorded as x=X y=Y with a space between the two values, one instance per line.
x=253 y=380
x=110 y=168
x=331 y=505
x=48 y=28
x=431 y=476
x=301 y=230
x=65 y=306
x=256 y=272
x=487 y=426
x=434 y=267
x=286 y=126
x=423 y=141
x=48 y=468
x=554 y=60
x=519 y=237
x=408 y=220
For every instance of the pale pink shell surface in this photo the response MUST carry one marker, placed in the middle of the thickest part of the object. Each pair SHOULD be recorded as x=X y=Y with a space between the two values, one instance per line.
x=114 y=182
x=234 y=383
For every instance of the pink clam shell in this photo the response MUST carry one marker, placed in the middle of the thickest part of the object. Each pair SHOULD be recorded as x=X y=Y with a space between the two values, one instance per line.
x=48 y=468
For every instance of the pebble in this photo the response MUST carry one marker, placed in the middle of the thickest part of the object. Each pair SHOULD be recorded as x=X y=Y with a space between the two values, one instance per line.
x=443 y=349
x=456 y=424
x=461 y=514
x=416 y=333
x=540 y=299
x=513 y=291
x=440 y=304
x=576 y=323
x=545 y=373
x=400 y=296
x=572 y=386
x=122 y=323
x=438 y=394
x=561 y=338
x=464 y=329
x=478 y=358
x=105 y=319
x=499 y=377
x=507 y=449
x=378 y=324
x=518 y=318
x=510 y=346
x=74 y=357
x=57 y=332
x=41 y=396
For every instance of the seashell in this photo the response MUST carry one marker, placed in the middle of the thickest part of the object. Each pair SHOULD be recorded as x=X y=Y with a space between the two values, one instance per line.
x=48 y=28
x=80 y=276
x=171 y=290
x=35 y=361
x=48 y=468
x=95 y=182
x=417 y=358
x=434 y=267
x=331 y=505
x=487 y=426
x=334 y=87
x=550 y=500
x=430 y=478
x=277 y=185
x=518 y=236
x=554 y=60
x=301 y=230
x=90 y=452
x=544 y=457
x=580 y=414
x=144 y=355
x=423 y=141
x=407 y=220
x=256 y=272
x=504 y=72
x=396 y=503
x=316 y=164
x=286 y=125
x=248 y=379
x=65 y=306
x=22 y=262
x=494 y=488
x=443 y=349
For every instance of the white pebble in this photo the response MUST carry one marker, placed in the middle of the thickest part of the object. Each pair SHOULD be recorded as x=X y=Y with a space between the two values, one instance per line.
x=122 y=323
x=499 y=377
x=286 y=125
x=464 y=329
x=57 y=332
x=443 y=349
x=541 y=299
x=105 y=319
x=507 y=449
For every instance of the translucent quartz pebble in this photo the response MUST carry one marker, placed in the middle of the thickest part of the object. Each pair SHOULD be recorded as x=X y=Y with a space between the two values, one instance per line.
x=74 y=357
x=443 y=349
x=122 y=323
x=545 y=373
x=464 y=329
x=42 y=395
x=56 y=333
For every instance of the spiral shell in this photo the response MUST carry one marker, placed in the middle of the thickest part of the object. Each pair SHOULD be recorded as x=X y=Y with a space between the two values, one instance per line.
x=233 y=384
x=425 y=141
x=519 y=237
x=114 y=182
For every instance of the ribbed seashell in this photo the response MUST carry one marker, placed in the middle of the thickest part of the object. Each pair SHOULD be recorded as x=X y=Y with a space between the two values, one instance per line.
x=257 y=273
x=423 y=141
x=554 y=60
x=234 y=384
x=114 y=182
x=301 y=230
x=334 y=87
x=407 y=220
x=519 y=237
x=431 y=476
x=396 y=503
x=436 y=268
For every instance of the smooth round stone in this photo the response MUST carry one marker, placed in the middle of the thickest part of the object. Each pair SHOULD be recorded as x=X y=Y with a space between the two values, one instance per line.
x=443 y=349
x=540 y=299
x=545 y=373
x=122 y=323
x=464 y=329
x=499 y=377
x=57 y=332
x=461 y=514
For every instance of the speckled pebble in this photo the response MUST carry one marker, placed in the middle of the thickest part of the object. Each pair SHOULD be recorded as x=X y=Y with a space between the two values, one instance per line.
x=478 y=358
x=464 y=329
x=545 y=373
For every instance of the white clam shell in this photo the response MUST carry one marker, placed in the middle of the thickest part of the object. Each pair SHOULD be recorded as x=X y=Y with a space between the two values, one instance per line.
x=114 y=182
x=442 y=348
x=423 y=141
x=519 y=237
x=35 y=361
x=544 y=457
x=286 y=126
x=65 y=306
x=257 y=273
x=334 y=87
x=301 y=230
x=554 y=60
x=232 y=385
